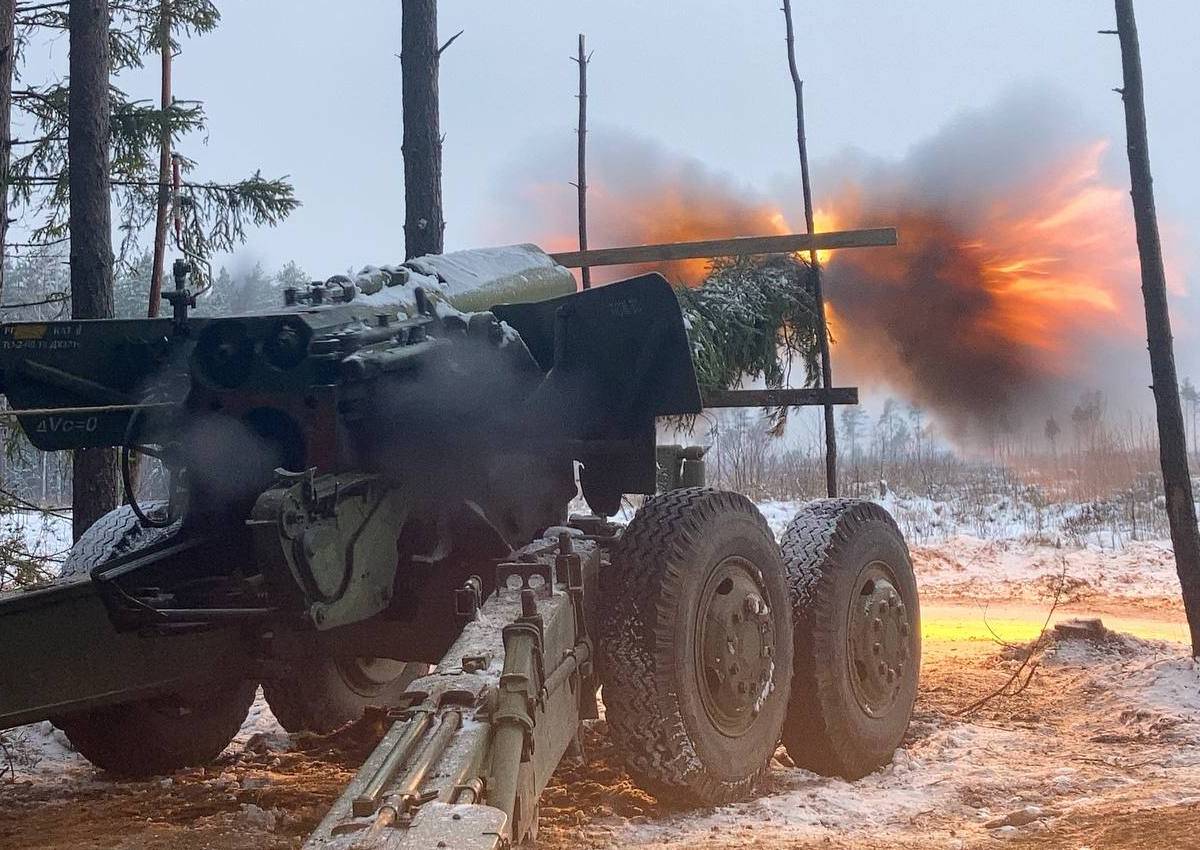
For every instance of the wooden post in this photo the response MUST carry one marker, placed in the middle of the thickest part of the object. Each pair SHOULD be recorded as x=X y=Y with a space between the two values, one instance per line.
x=422 y=146
x=822 y=330
x=94 y=485
x=581 y=184
x=8 y=58
x=164 y=163
x=1172 y=446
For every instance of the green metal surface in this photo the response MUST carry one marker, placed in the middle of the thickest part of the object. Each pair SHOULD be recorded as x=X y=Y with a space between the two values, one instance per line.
x=336 y=537
x=735 y=646
x=879 y=629
x=60 y=654
x=485 y=730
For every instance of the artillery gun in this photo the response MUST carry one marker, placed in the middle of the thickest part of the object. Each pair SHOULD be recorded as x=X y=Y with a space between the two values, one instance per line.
x=368 y=506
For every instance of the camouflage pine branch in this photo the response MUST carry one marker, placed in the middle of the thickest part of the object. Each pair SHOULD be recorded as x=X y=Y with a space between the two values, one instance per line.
x=752 y=318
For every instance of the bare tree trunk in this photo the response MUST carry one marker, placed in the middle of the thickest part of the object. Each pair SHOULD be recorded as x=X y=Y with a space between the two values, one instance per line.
x=419 y=57
x=581 y=185
x=95 y=479
x=822 y=330
x=8 y=58
x=164 y=164
x=1172 y=445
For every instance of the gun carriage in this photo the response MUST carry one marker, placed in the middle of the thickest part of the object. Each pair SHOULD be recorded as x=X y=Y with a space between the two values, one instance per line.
x=368 y=506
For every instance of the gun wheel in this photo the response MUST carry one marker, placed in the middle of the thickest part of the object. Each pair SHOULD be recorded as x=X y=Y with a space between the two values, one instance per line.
x=161 y=734
x=329 y=692
x=699 y=648
x=857 y=637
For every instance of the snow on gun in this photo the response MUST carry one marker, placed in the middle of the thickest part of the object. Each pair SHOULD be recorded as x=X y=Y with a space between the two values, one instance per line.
x=367 y=481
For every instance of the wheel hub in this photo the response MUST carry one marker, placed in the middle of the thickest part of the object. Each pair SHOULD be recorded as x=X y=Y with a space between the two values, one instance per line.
x=735 y=646
x=880 y=640
x=367 y=676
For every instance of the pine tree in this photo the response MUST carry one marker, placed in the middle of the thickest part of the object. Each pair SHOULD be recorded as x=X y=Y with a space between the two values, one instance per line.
x=422 y=147
x=1191 y=397
x=853 y=423
x=1052 y=432
x=215 y=215
x=8 y=13
x=94 y=489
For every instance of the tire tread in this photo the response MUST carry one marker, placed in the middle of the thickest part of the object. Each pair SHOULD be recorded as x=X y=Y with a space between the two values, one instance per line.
x=644 y=719
x=813 y=550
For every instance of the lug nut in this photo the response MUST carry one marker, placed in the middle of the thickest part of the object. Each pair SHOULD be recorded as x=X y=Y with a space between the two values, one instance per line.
x=752 y=604
x=891 y=676
x=877 y=648
x=883 y=668
x=877 y=624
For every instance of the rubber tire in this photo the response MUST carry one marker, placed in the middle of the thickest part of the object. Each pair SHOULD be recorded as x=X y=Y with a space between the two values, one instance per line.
x=116 y=533
x=156 y=736
x=162 y=734
x=653 y=705
x=825 y=547
x=320 y=699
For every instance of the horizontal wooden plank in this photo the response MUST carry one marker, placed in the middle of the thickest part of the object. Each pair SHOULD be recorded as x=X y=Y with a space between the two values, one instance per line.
x=736 y=247
x=780 y=398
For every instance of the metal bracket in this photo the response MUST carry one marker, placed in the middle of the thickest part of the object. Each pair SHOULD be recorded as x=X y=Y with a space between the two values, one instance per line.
x=525 y=571
x=467 y=600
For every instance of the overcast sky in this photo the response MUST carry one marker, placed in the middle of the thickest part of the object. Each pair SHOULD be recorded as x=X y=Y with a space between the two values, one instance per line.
x=312 y=90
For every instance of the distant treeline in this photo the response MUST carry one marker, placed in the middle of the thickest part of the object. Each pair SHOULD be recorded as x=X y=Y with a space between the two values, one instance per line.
x=38 y=288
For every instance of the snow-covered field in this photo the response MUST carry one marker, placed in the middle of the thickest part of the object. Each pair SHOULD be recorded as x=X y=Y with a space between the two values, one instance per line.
x=1010 y=558
x=1132 y=718
x=1108 y=732
x=1106 y=729
x=995 y=516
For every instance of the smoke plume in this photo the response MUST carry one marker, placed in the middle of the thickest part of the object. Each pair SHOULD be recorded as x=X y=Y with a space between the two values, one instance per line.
x=1014 y=286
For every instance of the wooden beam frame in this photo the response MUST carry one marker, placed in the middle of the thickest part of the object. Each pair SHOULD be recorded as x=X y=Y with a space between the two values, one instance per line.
x=741 y=246
x=780 y=398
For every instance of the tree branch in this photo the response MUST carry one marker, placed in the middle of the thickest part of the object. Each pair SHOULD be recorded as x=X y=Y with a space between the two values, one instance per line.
x=61 y=513
x=53 y=299
x=449 y=42
x=1028 y=662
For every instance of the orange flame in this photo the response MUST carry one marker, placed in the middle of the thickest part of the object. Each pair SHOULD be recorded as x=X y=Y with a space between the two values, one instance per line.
x=992 y=297
x=1052 y=258
x=987 y=305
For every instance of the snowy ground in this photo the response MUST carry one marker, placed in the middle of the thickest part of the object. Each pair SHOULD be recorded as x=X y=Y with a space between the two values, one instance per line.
x=1102 y=750
x=1012 y=559
x=1001 y=569
x=1105 y=730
